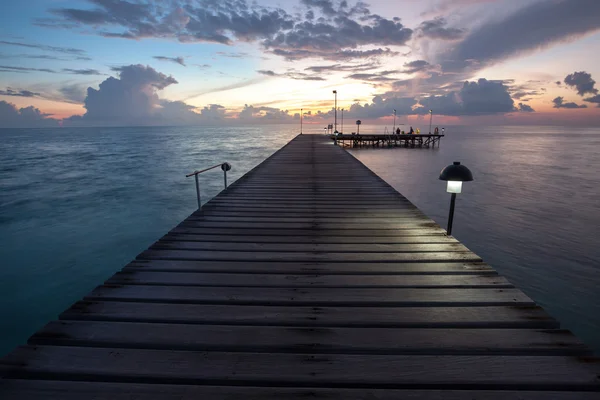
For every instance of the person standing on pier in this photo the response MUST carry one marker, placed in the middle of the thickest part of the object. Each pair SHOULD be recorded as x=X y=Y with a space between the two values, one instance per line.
x=436 y=131
x=412 y=132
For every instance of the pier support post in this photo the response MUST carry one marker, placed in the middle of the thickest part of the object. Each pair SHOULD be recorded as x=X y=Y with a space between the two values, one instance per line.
x=225 y=178
x=198 y=191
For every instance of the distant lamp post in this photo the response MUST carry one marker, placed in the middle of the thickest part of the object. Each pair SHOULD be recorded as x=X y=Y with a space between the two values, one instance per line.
x=443 y=131
x=342 y=120
x=394 y=128
x=335 y=110
x=358 y=122
x=455 y=175
x=430 y=120
x=301 y=114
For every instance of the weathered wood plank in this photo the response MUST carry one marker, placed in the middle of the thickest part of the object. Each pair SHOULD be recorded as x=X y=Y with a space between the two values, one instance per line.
x=432 y=256
x=330 y=370
x=181 y=235
x=312 y=296
x=384 y=341
x=310 y=225
x=18 y=389
x=363 y=249
x=314 y=233
x=298 y=268
x=133 y=277
x=515 y=317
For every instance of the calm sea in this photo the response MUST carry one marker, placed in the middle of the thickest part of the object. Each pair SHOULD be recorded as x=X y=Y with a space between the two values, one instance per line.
x=78 y=204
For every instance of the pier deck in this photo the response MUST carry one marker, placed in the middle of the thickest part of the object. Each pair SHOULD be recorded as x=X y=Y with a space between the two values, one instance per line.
x=389 y=140
x=296 y=283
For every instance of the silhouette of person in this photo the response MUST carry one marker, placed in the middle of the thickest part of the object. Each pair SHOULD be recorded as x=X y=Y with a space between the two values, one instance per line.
x=412 y=131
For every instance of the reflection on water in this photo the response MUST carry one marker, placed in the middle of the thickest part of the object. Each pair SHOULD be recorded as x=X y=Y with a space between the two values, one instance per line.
x=532 y=212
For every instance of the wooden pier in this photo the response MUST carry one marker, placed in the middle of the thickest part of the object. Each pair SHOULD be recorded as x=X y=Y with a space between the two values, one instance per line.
x=390 y=140
x=294 y=284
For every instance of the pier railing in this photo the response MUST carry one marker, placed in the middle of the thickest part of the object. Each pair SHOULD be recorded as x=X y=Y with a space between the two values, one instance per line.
x=224 y=167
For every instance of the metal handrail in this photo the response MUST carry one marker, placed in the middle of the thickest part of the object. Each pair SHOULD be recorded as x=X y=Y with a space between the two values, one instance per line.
x=224 y=166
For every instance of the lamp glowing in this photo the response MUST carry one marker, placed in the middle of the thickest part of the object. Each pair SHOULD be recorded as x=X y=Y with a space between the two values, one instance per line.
x=454 y=187
x=455 y=175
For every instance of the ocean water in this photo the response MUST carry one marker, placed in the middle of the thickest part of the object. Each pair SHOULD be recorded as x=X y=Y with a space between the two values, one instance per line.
x=78 y=204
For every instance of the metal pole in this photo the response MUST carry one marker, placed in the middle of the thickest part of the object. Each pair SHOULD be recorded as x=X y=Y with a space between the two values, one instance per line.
x=342 y=120
x=451 y=216
x=335 y=92
x=394 y=129
x=301 y=113
x=225 y=178
x=198 y=191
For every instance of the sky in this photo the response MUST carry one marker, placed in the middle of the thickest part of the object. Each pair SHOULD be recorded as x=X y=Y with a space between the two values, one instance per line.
x=194 y=62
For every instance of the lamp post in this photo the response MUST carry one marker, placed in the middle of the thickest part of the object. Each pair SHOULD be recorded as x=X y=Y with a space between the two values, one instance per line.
x=335 y=110
x=430 y=120
x=301 y=114
x=358 y=122
x=455 y=175
x=342 y=120
x=394 y=128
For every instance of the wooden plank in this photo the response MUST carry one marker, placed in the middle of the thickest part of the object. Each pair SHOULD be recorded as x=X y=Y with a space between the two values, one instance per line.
x=432 y=256
x=363 y=249
x=503 y=317
x=312 y=296
x=314 y=219
x=330 y=370
x=265 y=339
x=194 y=229
x=133 y=277
x=298 y=268
x=181 y=235
x=19 y=389
x=411 y=224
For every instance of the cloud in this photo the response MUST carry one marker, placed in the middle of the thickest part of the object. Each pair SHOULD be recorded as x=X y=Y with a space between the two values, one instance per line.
x=343 y=67
x=381 y=76
x=525 y=108
x=232 y=54
x=27 y=117
x=416 y=66
x=7 y=68
x=264 y=114
x=593 y=99
x=301 y=76
x=237 y=85
x=345 y=31
x=583 y=82
x=18 y=93
x=73 y=93
x=45 y=57
x=65 y=50
x=82 y=71
x=559 y=103
x=129 y=99
x=176 y=60
x=437 y=29
x=530 y=28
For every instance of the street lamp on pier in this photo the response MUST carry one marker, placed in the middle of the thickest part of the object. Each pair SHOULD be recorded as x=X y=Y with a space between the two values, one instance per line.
x=430 y=120
x=335 y=111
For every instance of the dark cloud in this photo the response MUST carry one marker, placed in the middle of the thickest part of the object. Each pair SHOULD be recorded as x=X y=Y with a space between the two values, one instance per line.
x=381 y=76
x=522 y=94
x=343 y=67
x=342 y=55
x=65 y=50
x=73 y=93
x=437 y=29
x=267 y=72
x=18 y=93
x=531 y=27
x=558 y=83
x=232 y=54
x=525 y=108
x=301 y=76
x=27 y=117
x=45 y=57
x=593 y=99
x=559 y=103
x=344 y=32
x=176 y=60
x=8 y=68
x=81 y=71
x=324 y=6
x=583 y=82
x=416 y=66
